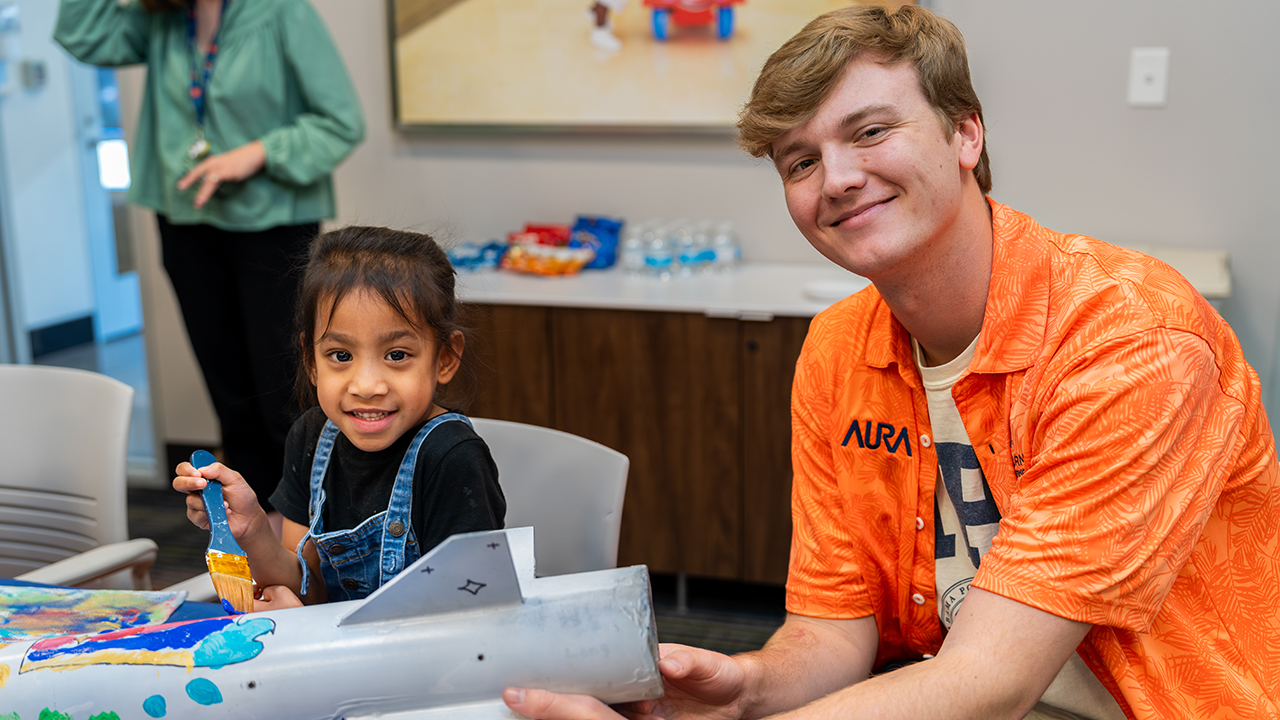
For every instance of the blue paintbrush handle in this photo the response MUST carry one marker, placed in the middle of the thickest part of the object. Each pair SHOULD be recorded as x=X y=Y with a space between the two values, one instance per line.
x=220 y=537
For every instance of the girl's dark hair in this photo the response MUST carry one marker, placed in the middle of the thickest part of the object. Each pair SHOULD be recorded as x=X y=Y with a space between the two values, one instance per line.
x=407 y=270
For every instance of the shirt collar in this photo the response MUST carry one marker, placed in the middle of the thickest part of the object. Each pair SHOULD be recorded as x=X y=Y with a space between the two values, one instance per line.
x=1016 y=315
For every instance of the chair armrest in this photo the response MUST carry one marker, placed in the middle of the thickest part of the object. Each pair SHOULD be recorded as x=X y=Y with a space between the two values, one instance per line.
x=198 y=588
x=138 y=554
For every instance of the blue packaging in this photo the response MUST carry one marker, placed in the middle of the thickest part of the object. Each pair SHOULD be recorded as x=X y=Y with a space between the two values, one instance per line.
x=599 y=233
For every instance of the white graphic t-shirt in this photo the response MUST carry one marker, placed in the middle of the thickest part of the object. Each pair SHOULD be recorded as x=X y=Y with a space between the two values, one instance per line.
x=966 y=519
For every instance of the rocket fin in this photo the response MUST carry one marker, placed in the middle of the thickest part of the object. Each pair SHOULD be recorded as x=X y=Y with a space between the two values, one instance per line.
x=470 y=571
x=489 y=710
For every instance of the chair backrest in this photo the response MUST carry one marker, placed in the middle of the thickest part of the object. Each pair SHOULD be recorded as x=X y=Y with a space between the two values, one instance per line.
x=63 y=464
x=568 y=488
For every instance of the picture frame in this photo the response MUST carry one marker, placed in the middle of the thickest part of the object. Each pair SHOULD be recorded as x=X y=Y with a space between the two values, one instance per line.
x=551 y=65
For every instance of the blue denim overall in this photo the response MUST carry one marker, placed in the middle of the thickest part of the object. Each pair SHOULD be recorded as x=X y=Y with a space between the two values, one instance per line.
x=356 y=562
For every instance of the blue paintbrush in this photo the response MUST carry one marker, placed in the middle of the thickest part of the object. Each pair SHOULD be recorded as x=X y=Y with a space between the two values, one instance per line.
x=228 y=564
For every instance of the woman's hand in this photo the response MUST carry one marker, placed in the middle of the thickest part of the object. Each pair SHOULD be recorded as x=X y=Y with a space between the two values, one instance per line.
x=232 y=166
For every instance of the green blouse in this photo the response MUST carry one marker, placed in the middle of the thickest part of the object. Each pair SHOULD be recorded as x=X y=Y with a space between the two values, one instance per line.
x=277 y=78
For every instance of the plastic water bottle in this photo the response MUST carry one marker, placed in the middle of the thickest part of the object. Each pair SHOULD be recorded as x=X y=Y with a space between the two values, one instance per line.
x=703 y=252
x=631 y=252
x=659 y=255
x=686 y=252
x=724 y=241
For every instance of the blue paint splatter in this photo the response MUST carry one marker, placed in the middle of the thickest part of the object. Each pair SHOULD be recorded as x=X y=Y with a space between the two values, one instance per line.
x=154 y=706
x=233 y=644
x=210 y=643
x=226 y=605
x=204 y=692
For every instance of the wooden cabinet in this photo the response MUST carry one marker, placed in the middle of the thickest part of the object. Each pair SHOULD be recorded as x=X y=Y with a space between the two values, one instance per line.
x=509 y=351
x=769 y=358
x=700 y=405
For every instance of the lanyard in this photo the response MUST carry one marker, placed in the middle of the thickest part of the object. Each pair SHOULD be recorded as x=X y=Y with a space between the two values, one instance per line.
x=200 y=76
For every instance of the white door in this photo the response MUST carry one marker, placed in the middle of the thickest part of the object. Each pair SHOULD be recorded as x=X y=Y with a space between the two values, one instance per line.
x=104 y=158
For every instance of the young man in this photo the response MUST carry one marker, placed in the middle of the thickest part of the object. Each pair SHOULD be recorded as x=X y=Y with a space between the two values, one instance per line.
x=1032 y=470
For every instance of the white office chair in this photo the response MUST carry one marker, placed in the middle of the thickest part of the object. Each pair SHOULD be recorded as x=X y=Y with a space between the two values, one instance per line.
x=568 y=488
x=63 y=502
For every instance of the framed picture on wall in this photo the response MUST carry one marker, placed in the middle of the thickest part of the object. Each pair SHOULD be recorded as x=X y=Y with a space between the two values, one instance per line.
x=584 y=64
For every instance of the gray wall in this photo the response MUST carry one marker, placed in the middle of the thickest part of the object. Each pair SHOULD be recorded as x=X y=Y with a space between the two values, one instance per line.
x=480 y=186
x=1201 y=172
x=1065 y=146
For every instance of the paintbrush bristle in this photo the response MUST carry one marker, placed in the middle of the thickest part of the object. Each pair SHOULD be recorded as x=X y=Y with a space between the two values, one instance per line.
x=235 y=591
x=231 y=579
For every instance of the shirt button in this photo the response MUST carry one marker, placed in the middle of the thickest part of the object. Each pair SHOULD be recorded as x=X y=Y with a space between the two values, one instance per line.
x=925 y=440
x=350 y=584
x=337 y=549
x=919 y=523
x=917 y=599
x=396 y=528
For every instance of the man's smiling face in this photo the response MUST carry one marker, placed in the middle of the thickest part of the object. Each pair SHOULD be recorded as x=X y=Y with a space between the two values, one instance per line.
x=875 y=178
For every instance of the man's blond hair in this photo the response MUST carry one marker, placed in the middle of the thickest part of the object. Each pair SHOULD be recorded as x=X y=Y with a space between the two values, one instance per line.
x=802 y=74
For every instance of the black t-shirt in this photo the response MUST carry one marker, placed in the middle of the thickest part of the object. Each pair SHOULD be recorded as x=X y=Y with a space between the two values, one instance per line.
x=455 y=483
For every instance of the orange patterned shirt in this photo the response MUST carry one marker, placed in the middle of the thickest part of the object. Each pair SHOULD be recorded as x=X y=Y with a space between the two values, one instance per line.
x=1123 y=438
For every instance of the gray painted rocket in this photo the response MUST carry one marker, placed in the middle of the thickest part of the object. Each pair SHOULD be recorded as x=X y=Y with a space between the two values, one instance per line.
x=441 y=640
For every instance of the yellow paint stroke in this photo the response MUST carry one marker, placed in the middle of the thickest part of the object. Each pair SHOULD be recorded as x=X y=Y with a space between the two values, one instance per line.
x=237 y=565
x=176 y=658
x=4 y=674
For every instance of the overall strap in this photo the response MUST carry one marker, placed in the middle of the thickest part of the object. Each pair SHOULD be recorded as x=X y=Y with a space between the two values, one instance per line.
x=319 y=465
x=395 y=531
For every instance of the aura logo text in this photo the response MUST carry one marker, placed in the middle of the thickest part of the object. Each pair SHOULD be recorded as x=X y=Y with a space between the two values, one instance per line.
x=871 y=435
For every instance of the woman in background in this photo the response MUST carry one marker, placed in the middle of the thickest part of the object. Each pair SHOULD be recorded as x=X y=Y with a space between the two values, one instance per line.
x=248 y=109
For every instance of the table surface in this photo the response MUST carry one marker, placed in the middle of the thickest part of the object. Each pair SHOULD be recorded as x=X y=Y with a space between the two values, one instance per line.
x=754 y=291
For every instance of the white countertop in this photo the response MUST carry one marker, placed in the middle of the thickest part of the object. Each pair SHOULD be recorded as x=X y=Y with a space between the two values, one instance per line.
x=1208 y=271
x=755 y=291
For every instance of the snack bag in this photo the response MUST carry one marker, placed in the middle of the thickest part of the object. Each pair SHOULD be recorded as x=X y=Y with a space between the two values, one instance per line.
x=599 y=233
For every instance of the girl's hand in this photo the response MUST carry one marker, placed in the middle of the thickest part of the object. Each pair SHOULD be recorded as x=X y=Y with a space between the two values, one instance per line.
x=232 y=166
x=276 y=597
x=242 y=503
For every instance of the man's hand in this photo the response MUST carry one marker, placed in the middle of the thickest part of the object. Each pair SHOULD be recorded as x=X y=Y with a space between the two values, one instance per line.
x=806 y=659
x=232 y=166
x=546 y=705
x=699 y=684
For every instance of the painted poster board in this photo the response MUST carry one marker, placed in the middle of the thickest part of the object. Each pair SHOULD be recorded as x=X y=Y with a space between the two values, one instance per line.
x=533 y=64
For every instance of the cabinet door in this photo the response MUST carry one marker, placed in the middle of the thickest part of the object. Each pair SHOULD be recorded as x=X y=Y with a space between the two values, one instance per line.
x=510 y=351
x=665 y=389
x=769 y=357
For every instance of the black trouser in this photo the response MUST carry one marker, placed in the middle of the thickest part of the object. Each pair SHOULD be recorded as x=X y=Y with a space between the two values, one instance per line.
x=237 y=292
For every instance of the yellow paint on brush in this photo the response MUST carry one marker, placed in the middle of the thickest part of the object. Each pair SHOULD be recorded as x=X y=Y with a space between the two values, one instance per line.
x=231 y=579
x=237 y=565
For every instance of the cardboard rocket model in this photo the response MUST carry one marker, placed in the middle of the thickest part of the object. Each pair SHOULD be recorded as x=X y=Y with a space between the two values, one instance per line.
x=441 y=640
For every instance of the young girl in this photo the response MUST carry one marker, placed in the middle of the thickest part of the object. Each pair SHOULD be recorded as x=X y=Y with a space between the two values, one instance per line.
x=378 y=474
